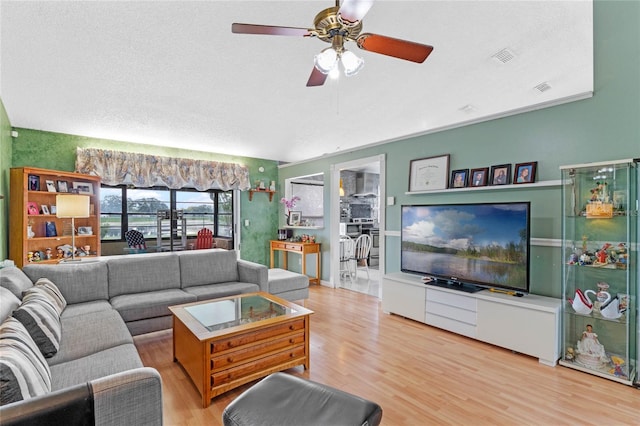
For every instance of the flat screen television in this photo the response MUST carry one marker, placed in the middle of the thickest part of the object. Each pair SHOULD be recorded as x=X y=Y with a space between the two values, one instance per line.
x=468 y=247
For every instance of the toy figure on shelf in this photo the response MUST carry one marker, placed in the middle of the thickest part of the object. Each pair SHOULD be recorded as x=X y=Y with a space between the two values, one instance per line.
x=618 y=367
x=602 y=255
x=570 y=355
x=600 y=192
x=589 y=351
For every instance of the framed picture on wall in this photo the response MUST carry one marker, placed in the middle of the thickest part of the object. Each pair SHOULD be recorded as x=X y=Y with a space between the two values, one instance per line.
x=459 y=178
x=500 y=174
x=428 y=174
x=525 y=172
x=479 y=176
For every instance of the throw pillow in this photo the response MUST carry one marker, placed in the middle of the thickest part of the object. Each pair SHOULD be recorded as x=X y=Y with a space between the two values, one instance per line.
x=40 y=316
x=8 y=302
x=54 y=292
x=23 y=371
x=15 y=280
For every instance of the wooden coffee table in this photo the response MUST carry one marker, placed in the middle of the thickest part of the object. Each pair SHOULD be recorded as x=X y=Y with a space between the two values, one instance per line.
x=227 y=342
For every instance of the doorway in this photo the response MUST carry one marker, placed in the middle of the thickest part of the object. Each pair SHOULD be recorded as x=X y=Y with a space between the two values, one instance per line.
x=361 y=210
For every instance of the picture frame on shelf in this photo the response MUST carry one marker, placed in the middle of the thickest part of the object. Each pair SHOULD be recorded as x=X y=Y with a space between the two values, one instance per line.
x=525 y=173
x=45 y=209
x=83 y=188
x=50 y=229
x=63 y=186
x=459 y=178
x=85 y=230
x=34 y=183
x=32 y=208
x=53 y=209
x=51 y=185
x=429 y=174
x=479 y=177
x=295 y=218
x=500 y=174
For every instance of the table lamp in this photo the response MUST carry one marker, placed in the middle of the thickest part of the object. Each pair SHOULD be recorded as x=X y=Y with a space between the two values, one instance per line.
x=72 y=206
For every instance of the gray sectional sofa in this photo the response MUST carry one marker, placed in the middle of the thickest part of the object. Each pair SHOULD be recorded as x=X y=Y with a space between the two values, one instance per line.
x=109 y=300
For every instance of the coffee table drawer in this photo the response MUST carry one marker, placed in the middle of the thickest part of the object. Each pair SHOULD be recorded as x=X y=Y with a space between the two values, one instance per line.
x=255 y=336
x=248 y=368
x=260 y=349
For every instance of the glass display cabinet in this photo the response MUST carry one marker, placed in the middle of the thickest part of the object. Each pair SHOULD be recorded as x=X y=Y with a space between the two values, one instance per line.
x=600 y=269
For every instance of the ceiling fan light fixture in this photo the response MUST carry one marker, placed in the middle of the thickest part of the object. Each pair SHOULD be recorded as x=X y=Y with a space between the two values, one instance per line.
x=352 y=64
x=326 y=60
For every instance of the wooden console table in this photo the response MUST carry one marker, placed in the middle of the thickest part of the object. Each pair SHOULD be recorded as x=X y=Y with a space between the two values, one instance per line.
x=301 y=248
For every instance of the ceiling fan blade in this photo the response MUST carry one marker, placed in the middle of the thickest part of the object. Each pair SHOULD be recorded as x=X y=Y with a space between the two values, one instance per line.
x=395 y=47
x=352 y=11
x=269 y=30
x=316 y=78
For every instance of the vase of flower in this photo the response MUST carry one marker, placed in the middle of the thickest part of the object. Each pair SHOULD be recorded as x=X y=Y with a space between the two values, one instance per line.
x=289 y=204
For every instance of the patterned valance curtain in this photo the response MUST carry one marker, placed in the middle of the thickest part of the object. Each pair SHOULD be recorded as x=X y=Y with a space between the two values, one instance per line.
x=143 y=171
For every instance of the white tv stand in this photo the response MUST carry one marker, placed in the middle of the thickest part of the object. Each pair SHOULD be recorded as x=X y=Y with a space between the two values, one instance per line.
x=528 y=324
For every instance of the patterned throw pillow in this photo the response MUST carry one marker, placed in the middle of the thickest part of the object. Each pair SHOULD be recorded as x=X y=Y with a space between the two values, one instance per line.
x=40 y=316
x=23 y=371
x=53 y=292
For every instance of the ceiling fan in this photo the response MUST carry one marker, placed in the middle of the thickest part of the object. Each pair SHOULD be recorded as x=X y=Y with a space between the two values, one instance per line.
x=336 y=25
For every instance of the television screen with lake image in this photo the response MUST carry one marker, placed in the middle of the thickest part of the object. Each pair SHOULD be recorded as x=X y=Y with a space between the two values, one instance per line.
x=482 y=245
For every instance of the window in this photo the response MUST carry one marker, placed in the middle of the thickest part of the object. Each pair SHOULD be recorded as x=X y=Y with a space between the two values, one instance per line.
x=202 y=209
x=310 y=191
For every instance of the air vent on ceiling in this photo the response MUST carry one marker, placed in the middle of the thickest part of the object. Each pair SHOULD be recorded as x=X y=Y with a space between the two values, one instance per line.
x=504 y=56
x=543 y=87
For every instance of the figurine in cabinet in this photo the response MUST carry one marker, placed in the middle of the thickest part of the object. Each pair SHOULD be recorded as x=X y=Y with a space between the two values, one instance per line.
x=589 y=350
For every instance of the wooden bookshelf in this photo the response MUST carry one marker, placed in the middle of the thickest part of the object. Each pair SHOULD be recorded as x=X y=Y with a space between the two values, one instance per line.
x=29 y=185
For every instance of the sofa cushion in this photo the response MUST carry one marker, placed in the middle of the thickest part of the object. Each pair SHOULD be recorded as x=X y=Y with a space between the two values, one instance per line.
x=40 y=316
x=8 y=302
x=80 y=282
x=83 y=335
x=142 y=273
x=86 y=308
x=153 y=304
x=23 y=371
x=281 y=280
x=212 y=291
x=14 y=280
x=94 y=366
x=199 y=267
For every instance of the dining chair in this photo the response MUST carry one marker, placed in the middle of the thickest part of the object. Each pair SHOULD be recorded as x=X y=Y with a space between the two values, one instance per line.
x=347 y=250
x=361 y=253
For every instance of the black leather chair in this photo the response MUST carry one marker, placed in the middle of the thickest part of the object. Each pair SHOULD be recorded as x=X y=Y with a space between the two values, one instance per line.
x=285 y=400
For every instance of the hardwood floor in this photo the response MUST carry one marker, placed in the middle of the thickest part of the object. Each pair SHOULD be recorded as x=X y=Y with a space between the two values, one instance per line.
x=418 y=374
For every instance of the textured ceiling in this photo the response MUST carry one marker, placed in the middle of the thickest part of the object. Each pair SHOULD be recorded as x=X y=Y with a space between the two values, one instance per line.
x=173 y=74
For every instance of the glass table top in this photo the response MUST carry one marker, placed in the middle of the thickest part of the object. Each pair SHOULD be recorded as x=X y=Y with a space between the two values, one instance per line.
x=226 y=313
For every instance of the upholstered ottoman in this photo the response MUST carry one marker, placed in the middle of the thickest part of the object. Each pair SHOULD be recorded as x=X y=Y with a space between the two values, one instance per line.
x=285 y=400
x=288 y=285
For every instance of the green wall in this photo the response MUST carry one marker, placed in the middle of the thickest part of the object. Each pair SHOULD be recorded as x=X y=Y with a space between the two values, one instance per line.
x=57 y=151
x=604 y=127
x=5 y=165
